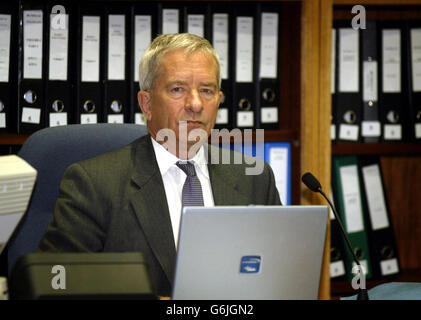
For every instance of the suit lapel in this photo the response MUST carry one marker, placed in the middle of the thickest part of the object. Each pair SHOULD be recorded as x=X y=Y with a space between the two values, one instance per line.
x=151 y=208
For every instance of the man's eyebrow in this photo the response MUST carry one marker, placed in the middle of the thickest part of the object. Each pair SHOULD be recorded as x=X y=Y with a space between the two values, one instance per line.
x=181 y=82
x=208 y=84
x=177 y=82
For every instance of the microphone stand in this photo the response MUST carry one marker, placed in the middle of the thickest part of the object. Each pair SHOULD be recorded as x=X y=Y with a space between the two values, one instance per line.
x=362 y=293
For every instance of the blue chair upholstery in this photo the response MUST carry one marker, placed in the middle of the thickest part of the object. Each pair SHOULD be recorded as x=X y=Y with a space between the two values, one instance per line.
x=50 y=151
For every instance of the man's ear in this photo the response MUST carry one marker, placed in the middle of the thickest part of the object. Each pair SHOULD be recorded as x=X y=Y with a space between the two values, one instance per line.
x=221 y=98
x=144 y=100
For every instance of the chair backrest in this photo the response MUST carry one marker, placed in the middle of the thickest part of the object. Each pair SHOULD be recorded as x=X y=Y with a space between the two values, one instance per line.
x=50 y=151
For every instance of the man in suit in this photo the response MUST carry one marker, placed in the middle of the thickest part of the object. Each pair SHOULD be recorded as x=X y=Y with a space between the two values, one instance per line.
x=131 y=199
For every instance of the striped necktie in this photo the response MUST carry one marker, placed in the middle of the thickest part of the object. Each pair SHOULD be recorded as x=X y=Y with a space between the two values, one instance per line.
x=192 y=189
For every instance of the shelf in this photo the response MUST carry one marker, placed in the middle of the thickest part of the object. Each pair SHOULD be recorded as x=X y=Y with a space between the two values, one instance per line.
x=377 y=2
x=377 y=149
x=270 y=136
x=13 y=138
x=344 y=289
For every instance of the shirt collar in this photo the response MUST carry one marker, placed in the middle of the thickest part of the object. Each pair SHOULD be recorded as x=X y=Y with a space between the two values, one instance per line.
x=166 y=159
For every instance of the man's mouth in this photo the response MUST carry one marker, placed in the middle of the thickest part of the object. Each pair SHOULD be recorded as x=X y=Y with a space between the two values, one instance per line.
x=194 y=122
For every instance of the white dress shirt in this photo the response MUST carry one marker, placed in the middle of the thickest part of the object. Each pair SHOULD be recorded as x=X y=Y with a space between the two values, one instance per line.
x=174 y=178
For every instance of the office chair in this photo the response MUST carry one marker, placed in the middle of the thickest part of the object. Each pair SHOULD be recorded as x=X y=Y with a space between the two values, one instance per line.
x=50 y=151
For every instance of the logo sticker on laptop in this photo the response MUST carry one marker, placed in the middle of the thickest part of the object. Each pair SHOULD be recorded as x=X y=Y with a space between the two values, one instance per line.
x=250 y=264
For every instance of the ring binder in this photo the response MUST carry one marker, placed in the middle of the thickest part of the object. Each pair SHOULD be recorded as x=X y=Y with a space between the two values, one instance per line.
x=90 y=60
x=347 y=193
x=221 y=37
x=144 y=26
x=392 y=98
x=116 y=46
x=8 y=66
x=383 y=248
x=58 y=83
x=31 y=85
x=348 y=90
x=268 y=68
x=244 y=90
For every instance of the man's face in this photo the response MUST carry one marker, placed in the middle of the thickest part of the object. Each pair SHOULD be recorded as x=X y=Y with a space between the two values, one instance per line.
x=185 y=92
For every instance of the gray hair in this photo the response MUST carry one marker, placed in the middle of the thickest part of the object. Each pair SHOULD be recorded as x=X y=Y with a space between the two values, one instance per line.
x=164 y=43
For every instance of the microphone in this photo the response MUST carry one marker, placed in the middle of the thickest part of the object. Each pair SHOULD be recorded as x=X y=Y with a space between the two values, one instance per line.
x=314 y=185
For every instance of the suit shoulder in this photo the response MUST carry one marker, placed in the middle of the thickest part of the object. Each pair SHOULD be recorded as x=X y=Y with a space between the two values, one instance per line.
x=110 y=161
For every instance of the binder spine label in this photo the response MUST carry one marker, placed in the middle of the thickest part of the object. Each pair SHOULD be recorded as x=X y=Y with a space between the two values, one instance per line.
x=245 y=118
x=88 y=118
x=337 y=269
x=90 y=49
x=2 y=120
x=332 y=132
x=416 y=59
x=244 y=52
x=31 y=115
x=116 y=47
x=352 y=202
x=391 y=46
x=348 y=60
x=278 y=160
x=115 y=118
x=5 y=29
x=348 y=132
x=375 y=197
x=32 y=44
x=370 y=81
x=58 y=53
x=389 y=267
x=58 y=119
x=143 y=37
x=333 y=63
x=392 y=132
x=418 y=130
x=371 y=128
x=269 y=115
x=269 y=46
x=196 y=24
x=222 y=116
x=139 y=118
x=220 y=41
x=170 y=21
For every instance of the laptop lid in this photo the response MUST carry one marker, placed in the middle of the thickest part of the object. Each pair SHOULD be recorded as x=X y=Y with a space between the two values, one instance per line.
x=250 y=252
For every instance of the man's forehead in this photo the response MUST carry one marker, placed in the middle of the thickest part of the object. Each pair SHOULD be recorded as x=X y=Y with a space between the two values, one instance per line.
x=175 y=65
x=180 y=55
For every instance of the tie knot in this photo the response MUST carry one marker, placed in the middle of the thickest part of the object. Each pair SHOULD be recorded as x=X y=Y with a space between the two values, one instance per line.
x=187 y=167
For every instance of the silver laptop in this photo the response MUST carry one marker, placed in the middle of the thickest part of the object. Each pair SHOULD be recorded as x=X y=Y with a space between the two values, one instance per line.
x=253 y=252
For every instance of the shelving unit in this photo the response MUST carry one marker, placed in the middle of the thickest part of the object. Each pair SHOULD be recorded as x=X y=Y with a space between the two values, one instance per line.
x=401 y=162
x=305 y=101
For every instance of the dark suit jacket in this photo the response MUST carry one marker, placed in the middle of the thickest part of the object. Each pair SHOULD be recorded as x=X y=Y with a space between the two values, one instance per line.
x=116 y=203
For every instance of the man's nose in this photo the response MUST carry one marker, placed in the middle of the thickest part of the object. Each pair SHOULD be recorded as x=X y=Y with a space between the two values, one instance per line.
x=194 y=101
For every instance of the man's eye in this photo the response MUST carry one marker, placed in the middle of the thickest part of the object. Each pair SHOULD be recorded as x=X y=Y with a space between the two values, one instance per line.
x=177 y=90
x=207 y=91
